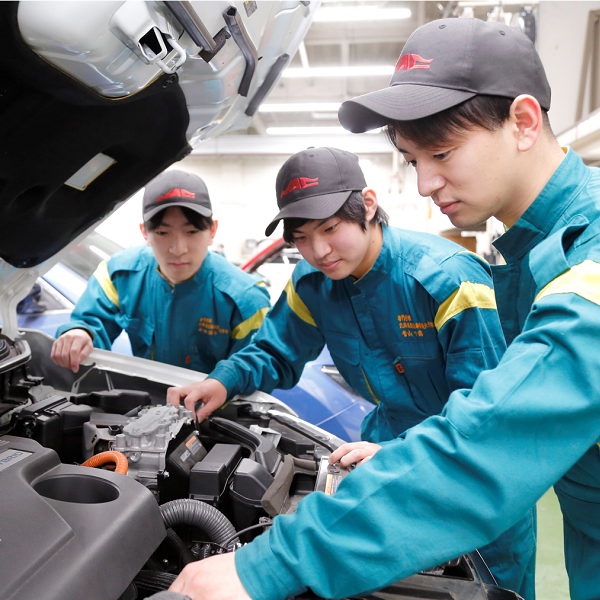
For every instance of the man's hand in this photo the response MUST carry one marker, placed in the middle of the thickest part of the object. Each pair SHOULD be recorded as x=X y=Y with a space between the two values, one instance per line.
x=210 y=391
x=356 y=452
x=71 y=348
x=213 y=578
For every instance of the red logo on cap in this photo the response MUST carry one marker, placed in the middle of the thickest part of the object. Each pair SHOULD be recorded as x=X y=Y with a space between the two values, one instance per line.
x=299 y=183
x=409 y=61
x=177 y=192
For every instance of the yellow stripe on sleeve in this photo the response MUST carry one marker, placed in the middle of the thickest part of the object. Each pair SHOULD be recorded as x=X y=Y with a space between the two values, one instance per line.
x=468 y=295
x=296 y=304
x=251 y=323
x=103 y=278
x=582 y=279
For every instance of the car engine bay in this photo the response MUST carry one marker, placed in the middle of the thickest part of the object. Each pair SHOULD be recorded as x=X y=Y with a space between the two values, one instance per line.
x=107 y=489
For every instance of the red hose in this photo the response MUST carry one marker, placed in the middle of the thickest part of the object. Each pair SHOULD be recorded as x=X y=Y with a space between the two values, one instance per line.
x=106 y=457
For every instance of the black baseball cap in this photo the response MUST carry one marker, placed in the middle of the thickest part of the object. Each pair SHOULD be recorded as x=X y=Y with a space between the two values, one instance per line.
x=446 y=62
x=315 y=183
x=176 y=188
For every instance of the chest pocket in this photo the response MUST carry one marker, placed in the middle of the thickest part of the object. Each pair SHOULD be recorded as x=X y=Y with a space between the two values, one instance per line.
x=342 y=347
x=425 y=375
x=204 y=356
x=141 y=335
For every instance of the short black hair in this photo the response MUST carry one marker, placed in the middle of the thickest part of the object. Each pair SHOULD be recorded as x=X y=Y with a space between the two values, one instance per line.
x=352 y=211
x=196 y=219
x=439 y=129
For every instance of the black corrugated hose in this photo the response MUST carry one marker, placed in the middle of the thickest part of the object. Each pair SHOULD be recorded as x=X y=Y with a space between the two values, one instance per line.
x=214 y=523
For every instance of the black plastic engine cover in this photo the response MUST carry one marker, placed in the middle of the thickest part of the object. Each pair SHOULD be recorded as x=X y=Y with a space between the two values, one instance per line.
x=70 y=530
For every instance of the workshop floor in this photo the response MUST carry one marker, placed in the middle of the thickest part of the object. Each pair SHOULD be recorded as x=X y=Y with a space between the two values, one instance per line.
x=551 y=577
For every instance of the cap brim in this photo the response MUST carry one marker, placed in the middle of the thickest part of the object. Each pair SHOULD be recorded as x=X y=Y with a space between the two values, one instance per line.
x=404 y=102
x=201 y=210
x=315 y=207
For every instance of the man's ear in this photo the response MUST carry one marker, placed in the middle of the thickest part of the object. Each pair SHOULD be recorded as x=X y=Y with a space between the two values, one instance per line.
x=145 y=234
x=370 y=200
x=526 y=113
x=213 y=231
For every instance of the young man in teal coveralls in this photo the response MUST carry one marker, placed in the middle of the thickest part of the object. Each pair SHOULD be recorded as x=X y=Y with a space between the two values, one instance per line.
x=408 y=318
x=460 y=478
x=179 y=303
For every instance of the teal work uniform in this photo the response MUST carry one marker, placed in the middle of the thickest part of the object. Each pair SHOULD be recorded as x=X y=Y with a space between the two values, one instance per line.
x=459 y=479
x=192 y=324
x=419 y=324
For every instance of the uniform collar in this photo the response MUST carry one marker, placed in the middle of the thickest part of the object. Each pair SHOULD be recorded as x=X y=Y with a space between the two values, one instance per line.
x=382 y=265
x=545 y=211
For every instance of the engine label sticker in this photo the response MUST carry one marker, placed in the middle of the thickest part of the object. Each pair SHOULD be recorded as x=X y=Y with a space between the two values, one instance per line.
x=11 y=456
x=194 y=444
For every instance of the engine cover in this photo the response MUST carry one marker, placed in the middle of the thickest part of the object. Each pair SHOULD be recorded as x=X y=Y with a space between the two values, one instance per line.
x=67 y=527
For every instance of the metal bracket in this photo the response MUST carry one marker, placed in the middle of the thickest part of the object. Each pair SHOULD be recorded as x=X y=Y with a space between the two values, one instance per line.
x=242 y=39
x=194 y=27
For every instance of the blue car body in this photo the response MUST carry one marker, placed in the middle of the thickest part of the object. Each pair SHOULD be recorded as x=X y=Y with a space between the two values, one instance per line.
x=321 y=397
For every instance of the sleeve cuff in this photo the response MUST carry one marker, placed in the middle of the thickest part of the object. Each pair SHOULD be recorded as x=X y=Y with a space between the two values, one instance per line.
x=74 y=325
x=262 y=574
x=227 y=374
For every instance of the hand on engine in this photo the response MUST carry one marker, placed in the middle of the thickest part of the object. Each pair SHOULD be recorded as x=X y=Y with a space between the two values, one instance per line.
x=210 y=391
x=71 y=348
x=356 y=452
x=213 y=578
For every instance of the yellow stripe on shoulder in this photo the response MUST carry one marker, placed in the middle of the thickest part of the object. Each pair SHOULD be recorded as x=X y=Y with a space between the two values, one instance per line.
x=582 y=279
x=251 y=323
x=468 y=295
x=103 y=278
x=296 y=304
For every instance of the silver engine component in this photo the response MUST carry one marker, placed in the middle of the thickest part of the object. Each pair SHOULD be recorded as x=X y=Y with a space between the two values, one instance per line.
x=144 y=439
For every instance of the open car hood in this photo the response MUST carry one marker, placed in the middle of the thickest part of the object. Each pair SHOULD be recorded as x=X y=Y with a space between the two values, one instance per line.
x=97 y=98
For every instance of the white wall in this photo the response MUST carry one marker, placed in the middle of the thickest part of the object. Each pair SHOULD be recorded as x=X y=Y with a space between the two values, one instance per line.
x=123 y=226
x=561 y=37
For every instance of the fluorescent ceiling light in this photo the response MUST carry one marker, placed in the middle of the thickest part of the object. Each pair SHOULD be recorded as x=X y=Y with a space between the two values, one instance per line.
x=486 y=3
x=339 y=71
x=301 y=107
x=305 y=130
x=310 y=131
x=330 y=14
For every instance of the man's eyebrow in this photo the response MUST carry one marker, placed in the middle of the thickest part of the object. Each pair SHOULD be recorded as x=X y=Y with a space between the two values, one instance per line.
x=319 y=221
x=323 y=221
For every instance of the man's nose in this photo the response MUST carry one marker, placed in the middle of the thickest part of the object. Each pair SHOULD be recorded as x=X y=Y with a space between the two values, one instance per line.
x=178 y=246
x=428 y=180
x=320 y=248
